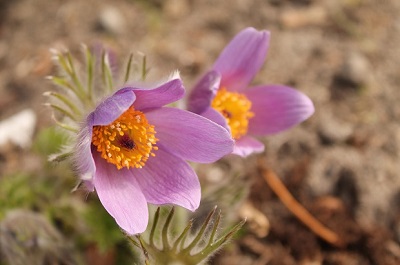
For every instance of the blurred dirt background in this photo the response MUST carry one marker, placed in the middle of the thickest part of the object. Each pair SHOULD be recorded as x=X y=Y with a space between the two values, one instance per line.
x=342 y=164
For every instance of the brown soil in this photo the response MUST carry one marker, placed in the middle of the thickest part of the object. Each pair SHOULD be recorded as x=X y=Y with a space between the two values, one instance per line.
x=342 y=164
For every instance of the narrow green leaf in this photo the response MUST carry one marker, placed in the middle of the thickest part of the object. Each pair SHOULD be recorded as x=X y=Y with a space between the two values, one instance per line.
x=106 y=72
x=165 y=229
x=215 y=227
x=182 y=236
x=89 y=70
x=133 y=241
x=59 y=157
x=74 y=76
x=62 y=82
x=153 y=228
x=144 y=250
x=128 y=68
x=210 y=249
x=62 y=110
x=65 y=126
x=65 y=100
x=200 y=234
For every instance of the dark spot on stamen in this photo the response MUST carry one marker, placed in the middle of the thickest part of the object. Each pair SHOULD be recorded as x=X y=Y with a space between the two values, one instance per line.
x=126 y=142
x=226 y=114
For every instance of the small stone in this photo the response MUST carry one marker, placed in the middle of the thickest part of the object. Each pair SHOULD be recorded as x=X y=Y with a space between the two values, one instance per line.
x=352 y=76
x=18 y=129
x=111 y=20
x=176 y=8
x=297 y=18
x=332 y=131
x=355 y=68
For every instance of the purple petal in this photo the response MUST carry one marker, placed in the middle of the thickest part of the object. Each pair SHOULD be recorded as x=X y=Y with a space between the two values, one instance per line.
x=213 y=115
x=111 y=108
x=190 y=136
x=166 y=93
x=240 y=61
x=121 y=196
x=247 y=145
x=83 y=159
x=203 y=92
x=277 y=108
x=167 y=179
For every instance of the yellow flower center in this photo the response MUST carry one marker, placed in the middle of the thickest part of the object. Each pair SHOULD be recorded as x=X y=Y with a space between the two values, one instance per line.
x=128 y=141
x=235 y=107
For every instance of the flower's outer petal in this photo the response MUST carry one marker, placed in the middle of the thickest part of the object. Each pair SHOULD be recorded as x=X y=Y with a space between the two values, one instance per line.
x=121 y=196
x=277 y=108
x=203 y=92
x=166 y=93
x=211 y=114
x=247 y=145
x=112 y=107
x=167 y=179
x=190 y=136
x=83 y=159
x=240 y=61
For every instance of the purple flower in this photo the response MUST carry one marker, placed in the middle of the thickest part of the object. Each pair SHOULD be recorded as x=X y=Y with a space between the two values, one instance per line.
x=132 y=151
x=223 y=95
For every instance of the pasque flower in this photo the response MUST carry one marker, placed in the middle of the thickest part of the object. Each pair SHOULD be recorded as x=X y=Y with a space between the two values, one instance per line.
x=224 y=96
x=132 y=151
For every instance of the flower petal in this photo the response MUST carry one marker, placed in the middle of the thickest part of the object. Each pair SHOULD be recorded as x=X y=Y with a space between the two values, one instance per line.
x=213 y=115
x=190 y=136
x=167 y=179
x=277 y=108
x=203 y=92
x=166 y=93
x=111 y=108
x=247 y=145
x=240 y=61
x=121 y=196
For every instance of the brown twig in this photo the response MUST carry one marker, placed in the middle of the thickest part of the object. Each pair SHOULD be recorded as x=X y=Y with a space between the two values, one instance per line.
x=299 y=211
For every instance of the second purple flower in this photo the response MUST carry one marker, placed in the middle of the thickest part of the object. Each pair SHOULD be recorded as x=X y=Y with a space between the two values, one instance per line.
x=223 y=95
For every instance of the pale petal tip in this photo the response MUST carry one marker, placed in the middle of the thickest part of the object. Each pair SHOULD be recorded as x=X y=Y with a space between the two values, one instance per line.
x=174 y=75
x=308 y=107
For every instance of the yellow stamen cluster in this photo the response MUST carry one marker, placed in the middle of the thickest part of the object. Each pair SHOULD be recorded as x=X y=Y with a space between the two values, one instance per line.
x=128 y=141
x=235 y=107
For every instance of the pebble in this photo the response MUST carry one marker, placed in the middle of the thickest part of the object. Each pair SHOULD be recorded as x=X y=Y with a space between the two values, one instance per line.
x=331 y=130
x=355 y=68
x=18 y=129
x=112 y=20
x=297 y=18
x=176 y=8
